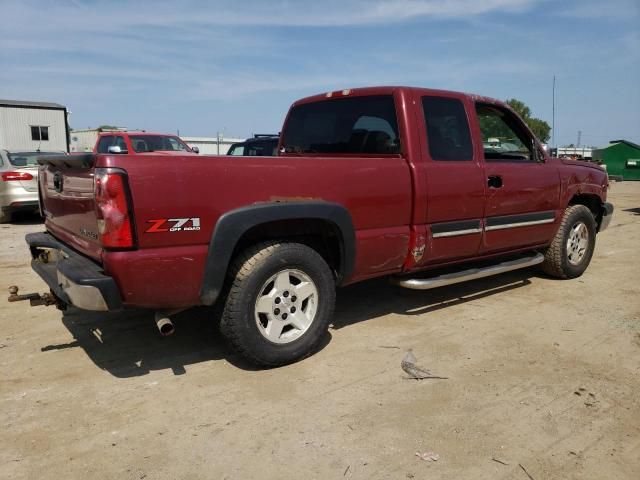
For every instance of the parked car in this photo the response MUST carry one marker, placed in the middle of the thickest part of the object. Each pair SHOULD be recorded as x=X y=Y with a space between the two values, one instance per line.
x=370 y=182
x=258 y=146
x=18 y=182
x=141 y=143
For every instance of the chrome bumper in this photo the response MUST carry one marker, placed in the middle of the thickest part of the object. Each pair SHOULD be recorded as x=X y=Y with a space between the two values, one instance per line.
x=86 y=297
x=74 y=278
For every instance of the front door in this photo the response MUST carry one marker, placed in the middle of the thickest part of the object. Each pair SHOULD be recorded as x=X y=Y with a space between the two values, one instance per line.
x=454 y=181
x=522 y=190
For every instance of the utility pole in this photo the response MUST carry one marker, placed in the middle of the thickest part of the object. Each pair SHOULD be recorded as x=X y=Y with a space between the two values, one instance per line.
x=218 y=140
x=579 y=138
x=553 y=114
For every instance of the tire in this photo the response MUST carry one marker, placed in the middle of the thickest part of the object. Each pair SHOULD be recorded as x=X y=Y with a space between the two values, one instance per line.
x=570 y=252
x=5 y=217
x=263 y=319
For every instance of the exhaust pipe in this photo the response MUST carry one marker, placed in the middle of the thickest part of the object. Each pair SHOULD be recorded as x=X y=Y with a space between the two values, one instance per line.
x=164 y=323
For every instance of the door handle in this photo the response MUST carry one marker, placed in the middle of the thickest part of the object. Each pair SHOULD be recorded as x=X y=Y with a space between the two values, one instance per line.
x=494 y=181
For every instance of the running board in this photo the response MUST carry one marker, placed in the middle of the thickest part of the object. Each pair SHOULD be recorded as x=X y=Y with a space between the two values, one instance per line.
x=470 y=274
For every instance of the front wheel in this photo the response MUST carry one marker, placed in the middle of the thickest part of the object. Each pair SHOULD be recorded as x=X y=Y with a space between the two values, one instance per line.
x=280 y=303
x=569 y=254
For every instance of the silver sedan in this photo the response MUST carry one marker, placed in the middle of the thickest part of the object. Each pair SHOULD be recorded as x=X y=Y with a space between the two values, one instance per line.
x=19 y=182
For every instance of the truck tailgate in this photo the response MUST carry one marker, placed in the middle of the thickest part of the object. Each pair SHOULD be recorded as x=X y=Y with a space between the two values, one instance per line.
x=68 y=202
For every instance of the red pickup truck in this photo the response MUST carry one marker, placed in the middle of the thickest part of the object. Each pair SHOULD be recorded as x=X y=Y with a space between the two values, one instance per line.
x=368 y=182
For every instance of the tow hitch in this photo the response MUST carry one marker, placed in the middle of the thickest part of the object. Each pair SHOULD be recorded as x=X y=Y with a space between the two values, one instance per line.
x=36 y=299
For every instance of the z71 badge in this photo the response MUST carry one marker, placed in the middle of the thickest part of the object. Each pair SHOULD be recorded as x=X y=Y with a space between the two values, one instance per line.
x=173 y=225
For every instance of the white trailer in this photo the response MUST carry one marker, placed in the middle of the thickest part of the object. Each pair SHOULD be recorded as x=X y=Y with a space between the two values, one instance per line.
x=33 y=126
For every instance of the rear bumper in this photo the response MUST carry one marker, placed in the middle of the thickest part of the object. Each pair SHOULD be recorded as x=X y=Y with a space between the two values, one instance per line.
x=14 y=197
x=20 y=206
x=72 y=277
x=607 y=213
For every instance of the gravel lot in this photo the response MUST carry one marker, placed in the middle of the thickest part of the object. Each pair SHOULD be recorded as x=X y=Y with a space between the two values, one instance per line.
x=544 y=376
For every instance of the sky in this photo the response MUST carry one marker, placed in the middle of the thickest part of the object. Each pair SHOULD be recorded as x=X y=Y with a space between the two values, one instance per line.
x=202 y=67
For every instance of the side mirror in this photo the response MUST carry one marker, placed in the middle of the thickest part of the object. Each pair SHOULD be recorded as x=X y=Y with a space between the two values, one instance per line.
x=116 y=149
x=195 y=149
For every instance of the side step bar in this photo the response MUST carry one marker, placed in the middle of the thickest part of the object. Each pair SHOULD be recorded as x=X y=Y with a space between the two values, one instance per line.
x=470 y=274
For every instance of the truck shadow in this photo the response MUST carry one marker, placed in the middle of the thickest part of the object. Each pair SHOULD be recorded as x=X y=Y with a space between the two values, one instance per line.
x=376 y=298
x=127 y=344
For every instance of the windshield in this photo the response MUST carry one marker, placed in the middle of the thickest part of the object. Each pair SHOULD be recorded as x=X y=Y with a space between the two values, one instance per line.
x=236 y=149
x=152 y=143
x=28 y=159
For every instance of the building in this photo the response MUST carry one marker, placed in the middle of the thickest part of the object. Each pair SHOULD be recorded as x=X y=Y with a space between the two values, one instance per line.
x=622 y=159
x=32 y=126
x=211 y=145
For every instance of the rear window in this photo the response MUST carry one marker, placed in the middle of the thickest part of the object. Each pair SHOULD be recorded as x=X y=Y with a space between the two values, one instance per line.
x=344 y=126
x=264 y=148
x=28 y=159
x=260 y=148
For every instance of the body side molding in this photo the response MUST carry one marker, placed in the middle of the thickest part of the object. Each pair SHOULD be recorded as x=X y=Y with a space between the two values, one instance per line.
x=452 y=229
x=520 y=220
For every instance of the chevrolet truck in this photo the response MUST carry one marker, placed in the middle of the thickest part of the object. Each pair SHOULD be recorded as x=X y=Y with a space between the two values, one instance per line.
x=381 y=181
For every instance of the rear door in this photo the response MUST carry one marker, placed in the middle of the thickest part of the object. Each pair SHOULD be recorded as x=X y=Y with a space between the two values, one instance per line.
x=454 y=180
x=522 y=190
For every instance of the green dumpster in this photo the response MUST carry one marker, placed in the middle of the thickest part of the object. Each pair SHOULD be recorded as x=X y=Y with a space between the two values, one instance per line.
x=622 y=159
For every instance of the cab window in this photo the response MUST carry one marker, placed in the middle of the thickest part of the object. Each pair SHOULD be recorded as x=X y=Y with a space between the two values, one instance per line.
x=448 y=135
x=504 y=138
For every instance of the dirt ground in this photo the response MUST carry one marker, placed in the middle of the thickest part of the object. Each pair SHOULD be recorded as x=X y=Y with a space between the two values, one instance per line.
x=544 y=376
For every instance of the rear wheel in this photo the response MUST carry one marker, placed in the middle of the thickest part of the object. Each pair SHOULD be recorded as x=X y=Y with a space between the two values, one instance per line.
x=5 y=217
x=569 y=254
x=279 y=304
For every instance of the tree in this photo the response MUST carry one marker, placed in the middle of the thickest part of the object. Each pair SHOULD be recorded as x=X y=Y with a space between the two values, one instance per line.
x=108 y=127
x=540 y=128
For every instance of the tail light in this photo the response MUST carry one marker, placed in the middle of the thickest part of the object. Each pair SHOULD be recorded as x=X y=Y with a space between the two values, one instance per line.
x=13 y=176
x=112 y=198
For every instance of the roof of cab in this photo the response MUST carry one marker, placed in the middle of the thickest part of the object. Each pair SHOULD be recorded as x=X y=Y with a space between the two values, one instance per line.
x=136 y=132
x=389 y=90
